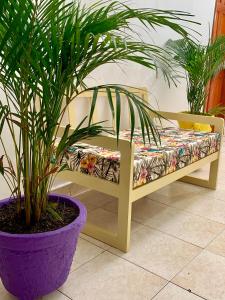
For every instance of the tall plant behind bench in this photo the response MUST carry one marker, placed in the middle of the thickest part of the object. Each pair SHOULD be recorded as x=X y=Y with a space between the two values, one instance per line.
x=47 y=50
x=201 y=63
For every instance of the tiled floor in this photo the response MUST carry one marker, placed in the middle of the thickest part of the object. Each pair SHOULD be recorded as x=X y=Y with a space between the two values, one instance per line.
x=177 y=248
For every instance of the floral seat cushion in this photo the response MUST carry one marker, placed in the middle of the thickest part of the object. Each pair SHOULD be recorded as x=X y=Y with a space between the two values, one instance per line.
x=178 y=149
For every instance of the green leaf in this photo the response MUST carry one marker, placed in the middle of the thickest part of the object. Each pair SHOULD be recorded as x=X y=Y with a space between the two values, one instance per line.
x=48 y=49
x=2 y=170
x=93 y=104
x=132 y=117
x=200 y=63
x=109 y=94
x=118 y=112
x=62 y=143
x=54 y=213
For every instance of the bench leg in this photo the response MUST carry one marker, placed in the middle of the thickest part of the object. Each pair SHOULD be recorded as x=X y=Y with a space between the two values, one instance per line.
x=124 y=222
x=210 y=183
x=213 y=174
x=121 y=238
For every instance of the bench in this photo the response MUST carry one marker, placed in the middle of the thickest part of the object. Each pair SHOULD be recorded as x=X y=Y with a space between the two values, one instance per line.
x=125 y=190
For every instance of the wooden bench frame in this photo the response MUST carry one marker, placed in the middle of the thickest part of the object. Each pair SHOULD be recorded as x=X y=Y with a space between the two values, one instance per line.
x=124 y=190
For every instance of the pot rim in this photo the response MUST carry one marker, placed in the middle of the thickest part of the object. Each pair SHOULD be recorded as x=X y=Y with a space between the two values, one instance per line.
x=79 y=220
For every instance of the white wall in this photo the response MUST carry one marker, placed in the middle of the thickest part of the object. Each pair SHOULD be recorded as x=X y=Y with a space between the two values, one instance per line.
x=172 y=99
x=4 y=191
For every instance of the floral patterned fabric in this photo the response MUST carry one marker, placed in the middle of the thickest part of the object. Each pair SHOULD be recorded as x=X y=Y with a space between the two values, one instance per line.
x=178 y=149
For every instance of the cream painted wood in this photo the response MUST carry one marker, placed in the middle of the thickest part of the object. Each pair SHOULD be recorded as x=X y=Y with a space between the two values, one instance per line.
x=125 y=192
x=153 y=186
x=142 y=92
x=218 y=125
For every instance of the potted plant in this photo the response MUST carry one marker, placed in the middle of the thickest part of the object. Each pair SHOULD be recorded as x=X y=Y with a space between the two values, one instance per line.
x=47 y=50
x=201 y=63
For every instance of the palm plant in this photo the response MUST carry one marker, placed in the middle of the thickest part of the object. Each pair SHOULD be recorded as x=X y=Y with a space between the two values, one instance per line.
x=201 y=63
x=47 y=50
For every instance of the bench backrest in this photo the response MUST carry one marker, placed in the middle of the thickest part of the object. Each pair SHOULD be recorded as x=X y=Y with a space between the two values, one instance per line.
x=80 y=108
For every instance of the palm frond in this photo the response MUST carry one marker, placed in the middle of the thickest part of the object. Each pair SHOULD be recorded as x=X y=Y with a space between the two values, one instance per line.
x=47 y=50
x=201 y=63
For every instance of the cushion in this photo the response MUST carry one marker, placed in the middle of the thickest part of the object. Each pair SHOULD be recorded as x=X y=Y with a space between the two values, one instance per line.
x=178 y=149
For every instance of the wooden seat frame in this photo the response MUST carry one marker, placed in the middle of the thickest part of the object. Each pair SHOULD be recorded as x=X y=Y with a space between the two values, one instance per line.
x=124 y=190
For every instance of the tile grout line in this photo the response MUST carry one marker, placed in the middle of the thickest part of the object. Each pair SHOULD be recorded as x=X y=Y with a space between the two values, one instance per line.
x=188 y=211
x=216 y=254
x=170 y=234
x=156 y=229
x=186 y=266
x=179 y=287
x=149 y=271
x=148 y=226
x=85 y=239
x=170 y=281
x=79 y=268
x=167 y=281
x=80 y=193
x=160 y=290
x=135 y=264
x=158 y=201
x=189 y=291
x=201 y=249
x=173 y=207
x=159 y=230
x=64 y=295
x=214 y=240
x=103 y=251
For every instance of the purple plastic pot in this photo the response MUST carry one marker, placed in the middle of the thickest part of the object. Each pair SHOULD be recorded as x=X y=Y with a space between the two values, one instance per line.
x=33 y=265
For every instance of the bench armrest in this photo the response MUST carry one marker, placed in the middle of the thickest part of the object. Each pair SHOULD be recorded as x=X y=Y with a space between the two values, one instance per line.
x=218 y=123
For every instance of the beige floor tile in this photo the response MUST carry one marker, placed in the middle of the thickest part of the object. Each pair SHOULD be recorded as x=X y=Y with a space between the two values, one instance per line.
x=180 y=189
x=204 y=276
x=55 y=296
x=108 y=220
x=202 y=172
x=4 y=295
x=81 y=194
x=173 y=292
x=190 y=228
x=110 y=277
x=93 y=199
x=173 y=194
x=87 y=203
x=174 y=189
x=85 y=251
x=217 y=246
x=219 y=193
x=94 y=241
x=201 y=203
x=112 y=206
x=220 y=181
x=158 y=252
x=63 y=190
x=194 y=229
x=76 y=189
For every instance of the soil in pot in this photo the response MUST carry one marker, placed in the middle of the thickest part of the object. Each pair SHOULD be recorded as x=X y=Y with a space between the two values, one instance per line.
x=9 y=221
